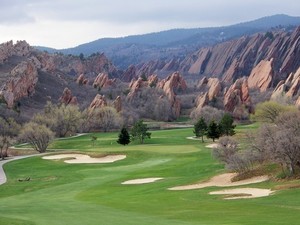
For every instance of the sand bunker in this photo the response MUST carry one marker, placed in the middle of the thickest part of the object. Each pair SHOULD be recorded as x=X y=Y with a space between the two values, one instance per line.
x=223 y=180
x=80 y=158
x=214 y=145
x=142 y=181
x=240 y=193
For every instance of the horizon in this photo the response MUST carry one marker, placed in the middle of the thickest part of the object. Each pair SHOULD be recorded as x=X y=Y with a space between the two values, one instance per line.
x=49 y=24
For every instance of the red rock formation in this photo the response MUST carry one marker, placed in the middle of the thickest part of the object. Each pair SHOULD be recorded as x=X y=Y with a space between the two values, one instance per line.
x=288 y=87
x=67 y=98
x=237 y=95
x=261 y=76
x=130 y=74
x=82 y=80
x=98 y=102
x=152 y=80
x=102 y=81
x=214 y=88
x=201 y=101
x=8 y=49
x=294 y=84
x=117 y=103
x=21 y=83
x=170 y=85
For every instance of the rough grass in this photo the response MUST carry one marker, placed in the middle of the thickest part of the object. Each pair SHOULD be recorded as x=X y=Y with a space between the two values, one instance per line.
x=60 y=193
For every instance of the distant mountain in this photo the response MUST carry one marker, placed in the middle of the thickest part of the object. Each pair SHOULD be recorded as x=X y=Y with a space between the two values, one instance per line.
x=135 y=49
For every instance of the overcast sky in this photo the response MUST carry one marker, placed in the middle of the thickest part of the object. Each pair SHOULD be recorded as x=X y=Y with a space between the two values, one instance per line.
x=68 y=23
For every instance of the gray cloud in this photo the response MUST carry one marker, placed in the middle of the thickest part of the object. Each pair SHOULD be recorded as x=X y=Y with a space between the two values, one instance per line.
x=98 y=18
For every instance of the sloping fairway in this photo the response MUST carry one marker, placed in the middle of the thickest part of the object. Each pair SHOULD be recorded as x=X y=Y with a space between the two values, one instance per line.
x=59 y=193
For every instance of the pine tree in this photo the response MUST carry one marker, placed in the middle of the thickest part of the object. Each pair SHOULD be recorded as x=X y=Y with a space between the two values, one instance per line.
x=124 y=137
x=140 y=131
x=200 y=128
x=213 y=130
x=226 y=125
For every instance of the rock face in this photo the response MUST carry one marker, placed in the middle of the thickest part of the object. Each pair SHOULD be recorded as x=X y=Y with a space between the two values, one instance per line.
x=102 y=81
x=21 y=83
x=98 y=102
x=261 y=76
x=237 y=95
x=117 y=103
x=171 y=84
x=67 y=98
x=130 y=74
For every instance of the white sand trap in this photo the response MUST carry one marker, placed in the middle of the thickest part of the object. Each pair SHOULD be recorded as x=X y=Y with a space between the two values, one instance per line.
x=214 y=145
x=80 y=158
x=223 y=180
x=243 y=192
x=142 y=181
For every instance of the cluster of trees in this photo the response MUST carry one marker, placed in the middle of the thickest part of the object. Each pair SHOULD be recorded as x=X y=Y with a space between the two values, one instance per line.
x=214 y=129
x=276 y=141
x=138 y=132
x=56 y=121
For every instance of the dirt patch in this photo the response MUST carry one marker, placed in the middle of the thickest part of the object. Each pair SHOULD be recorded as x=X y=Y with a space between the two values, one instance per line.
x=80 y=158
x=223 y=180
x=241 y=193
x=143 y=180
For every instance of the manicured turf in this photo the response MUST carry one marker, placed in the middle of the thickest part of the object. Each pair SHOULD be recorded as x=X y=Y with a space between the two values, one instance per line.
x=92 y=194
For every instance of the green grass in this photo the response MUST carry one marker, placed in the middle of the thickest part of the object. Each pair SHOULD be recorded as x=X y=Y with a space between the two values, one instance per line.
x=61 y=193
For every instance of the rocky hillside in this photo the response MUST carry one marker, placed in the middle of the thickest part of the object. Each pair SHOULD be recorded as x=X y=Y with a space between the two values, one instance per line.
x=166 y=44
x=274 y=52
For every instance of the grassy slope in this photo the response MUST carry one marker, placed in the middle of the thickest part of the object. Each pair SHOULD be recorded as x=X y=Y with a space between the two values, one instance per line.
x=60 y=193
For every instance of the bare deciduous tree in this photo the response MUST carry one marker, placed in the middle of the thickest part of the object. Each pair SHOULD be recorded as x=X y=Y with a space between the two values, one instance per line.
x=39 y=136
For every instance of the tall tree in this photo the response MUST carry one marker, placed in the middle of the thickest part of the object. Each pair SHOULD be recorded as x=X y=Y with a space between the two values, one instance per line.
x=226 y=125
x=200 y=128
x=213 y=130
x=8 y=131
x=140 y=131
x=124 y=137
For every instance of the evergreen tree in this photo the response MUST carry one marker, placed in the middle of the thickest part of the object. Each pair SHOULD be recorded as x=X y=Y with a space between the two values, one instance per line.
x=124 y=137
x=200 y=128
x=226 y=125
x=140 y=131
x=213 y=130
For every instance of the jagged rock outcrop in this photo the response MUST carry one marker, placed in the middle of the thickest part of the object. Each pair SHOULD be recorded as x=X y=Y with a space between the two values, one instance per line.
x=103 y=81
x=117 y=103
x=261 y=76
x=201 y=101
x=21 y=83
x=237 y=58
x=98 y=102
x=140 y=83
x=130 y=74
x=289 y=87
x=81 y=80
x=152 y=80
x=237 y=95
x=171 y=84
x=67 y=98
x=213 y=85
x=8 y=49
